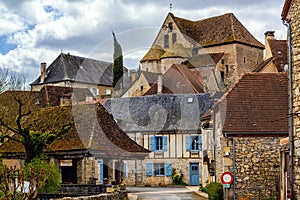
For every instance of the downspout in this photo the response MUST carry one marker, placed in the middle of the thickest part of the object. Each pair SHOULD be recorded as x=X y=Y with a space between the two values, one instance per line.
x=291 y=137
x=234 y=170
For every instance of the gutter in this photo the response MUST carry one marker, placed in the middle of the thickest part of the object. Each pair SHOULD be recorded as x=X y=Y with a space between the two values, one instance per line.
x=291 y=137
x=234 y=170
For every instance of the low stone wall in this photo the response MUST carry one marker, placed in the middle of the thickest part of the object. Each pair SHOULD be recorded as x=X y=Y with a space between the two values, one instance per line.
x=121 y=195
x=117 y=195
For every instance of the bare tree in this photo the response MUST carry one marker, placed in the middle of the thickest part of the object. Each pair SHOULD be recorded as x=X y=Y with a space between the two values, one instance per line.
x=10 y=80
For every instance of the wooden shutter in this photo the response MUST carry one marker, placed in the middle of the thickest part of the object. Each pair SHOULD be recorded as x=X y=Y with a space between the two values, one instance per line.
x=152 y=143
x=200 y=142
x=165 y=143
x=168 y=169
x=188 y=143
x=148 y=169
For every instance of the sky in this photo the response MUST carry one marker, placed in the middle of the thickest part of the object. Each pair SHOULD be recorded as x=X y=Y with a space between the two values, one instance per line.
x=35 y=31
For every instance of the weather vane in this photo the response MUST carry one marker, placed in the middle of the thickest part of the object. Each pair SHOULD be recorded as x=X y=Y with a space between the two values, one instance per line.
x=171 y=6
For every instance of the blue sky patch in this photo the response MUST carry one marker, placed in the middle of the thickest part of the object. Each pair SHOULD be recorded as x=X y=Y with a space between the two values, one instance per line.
x=56 y=13
x=4 y=46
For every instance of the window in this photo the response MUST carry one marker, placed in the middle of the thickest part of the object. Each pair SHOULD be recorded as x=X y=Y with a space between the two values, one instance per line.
x=108 y=92
x=94 y=91
x=142 y=88
x=166 y=40
x=194 y=51
x=158 y=143
x=244 y=59
x=193 y=143
x=173 y=38
x=160 y=169
x=170 y=26
x=222 y=61
x=227 y=68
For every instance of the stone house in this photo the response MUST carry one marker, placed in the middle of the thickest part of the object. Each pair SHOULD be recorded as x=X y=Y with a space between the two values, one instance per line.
x=180 y=39
x=169 y=126
x=93 y=149
x=78 y=72
x=275 y=55
x=141 y=84
x=248 y=123
x=290 y=16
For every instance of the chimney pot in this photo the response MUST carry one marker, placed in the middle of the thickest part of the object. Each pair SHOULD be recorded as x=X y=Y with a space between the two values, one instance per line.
x=269 y=34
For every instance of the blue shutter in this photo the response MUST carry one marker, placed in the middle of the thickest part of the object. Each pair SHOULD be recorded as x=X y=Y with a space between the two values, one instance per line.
x=165 y=143
x=200 y=142
x=125 y=171
x=152 y=143
x=101 y=170
x=168 y=169
x=148 y=169
x=188 y=143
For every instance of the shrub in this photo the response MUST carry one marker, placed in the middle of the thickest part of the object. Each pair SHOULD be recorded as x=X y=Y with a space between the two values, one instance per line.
x=215 y=191
x=177 y=179
x=49 y=172
x=202 y=189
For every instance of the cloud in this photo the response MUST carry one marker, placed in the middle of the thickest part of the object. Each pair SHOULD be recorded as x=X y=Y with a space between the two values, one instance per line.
x=36 y=31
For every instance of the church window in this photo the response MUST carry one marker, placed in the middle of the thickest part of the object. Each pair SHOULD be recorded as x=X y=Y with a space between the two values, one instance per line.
x=174 y=38
x=166 y=41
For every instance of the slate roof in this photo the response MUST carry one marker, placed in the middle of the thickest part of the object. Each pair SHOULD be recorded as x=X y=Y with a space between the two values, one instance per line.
x=257 y=104
x=217 y=30
x=151 y=77
x=94 y=128
x=157 y=113
x=178 y=80
x=68 y=67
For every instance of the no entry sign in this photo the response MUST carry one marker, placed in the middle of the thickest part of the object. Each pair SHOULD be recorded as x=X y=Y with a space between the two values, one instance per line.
x=227 y=178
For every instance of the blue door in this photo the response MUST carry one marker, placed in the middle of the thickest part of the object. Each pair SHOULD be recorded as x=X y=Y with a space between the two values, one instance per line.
x=194 y=174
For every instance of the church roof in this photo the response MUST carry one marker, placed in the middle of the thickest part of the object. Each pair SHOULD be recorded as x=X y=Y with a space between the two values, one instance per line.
x=176 y=51
x=217 y=30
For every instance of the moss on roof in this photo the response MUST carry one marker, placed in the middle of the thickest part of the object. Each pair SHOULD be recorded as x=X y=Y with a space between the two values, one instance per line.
x=153 y=54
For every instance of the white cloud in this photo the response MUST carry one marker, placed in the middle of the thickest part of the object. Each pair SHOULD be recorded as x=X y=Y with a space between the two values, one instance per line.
x=84 y=27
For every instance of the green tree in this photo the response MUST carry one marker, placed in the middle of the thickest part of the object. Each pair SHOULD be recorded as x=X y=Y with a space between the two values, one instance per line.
x=118 y=63
x=25 y=182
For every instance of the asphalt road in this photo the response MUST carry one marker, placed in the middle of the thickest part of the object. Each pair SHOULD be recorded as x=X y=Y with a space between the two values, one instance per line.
x=162 y=193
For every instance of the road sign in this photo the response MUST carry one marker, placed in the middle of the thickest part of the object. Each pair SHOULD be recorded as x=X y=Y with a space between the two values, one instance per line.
x=227 y=178
x=226 y=185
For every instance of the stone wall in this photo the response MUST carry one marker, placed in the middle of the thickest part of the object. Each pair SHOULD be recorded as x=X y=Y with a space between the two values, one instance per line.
x=295 y=40
x=257 y=163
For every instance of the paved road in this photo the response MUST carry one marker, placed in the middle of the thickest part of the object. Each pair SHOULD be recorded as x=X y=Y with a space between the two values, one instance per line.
x=162 y=193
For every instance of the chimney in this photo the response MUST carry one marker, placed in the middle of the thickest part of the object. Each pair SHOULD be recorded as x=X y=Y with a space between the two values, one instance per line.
x=159 y=84
x=43 y=72
x=269 y=35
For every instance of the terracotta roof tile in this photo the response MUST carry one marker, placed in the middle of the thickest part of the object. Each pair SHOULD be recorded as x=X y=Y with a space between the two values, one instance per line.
x=180 y=80
x=217 y=30
x=257 y=103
